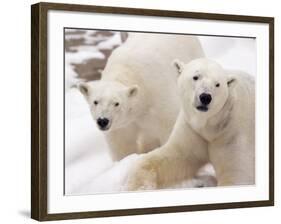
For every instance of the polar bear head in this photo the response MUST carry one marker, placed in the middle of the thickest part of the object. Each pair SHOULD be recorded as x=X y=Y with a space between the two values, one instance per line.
x=204 y=86
x=111 y=103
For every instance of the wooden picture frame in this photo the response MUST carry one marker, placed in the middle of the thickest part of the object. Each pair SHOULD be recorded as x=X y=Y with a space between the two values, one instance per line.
x=39 y=109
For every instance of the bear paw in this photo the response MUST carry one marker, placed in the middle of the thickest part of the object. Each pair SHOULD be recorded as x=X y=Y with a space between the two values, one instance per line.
x=143 y=176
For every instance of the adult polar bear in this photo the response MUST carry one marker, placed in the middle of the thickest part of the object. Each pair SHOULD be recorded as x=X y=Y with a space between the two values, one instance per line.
x=216 y=124
x=136 y=101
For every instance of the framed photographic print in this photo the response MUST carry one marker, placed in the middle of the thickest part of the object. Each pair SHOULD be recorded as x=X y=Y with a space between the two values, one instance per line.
x=138 y=111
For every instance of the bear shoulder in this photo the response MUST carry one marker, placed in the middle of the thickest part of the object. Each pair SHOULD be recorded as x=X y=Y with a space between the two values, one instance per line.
x=245 y=83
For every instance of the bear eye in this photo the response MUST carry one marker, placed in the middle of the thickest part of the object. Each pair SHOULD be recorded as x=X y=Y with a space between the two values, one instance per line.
x=116 y=104
x=195 y=78
x=217 y=85
x=96 y=102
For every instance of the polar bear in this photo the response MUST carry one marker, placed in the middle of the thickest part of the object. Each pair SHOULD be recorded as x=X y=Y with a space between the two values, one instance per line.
x=216 y=124
x=136 y=102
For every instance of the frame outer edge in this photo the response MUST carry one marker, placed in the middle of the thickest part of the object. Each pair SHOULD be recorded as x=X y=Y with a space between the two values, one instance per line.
x=271 y=111
x=154 y=12
x=38 y=112
x=39 y=124
x=35 y=190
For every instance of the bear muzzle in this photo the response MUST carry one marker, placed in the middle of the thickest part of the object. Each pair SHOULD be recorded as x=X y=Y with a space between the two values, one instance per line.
x=204 y=100
x=103 y=123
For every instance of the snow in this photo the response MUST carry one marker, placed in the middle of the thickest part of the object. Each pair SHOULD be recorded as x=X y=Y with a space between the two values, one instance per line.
x=114 y=41
x=83 y=53
x=88 y=166
x=88 y=50
x=232 y=53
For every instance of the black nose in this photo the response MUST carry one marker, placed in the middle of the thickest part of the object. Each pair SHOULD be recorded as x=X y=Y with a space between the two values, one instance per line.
x=102 y=122
x=205 y=98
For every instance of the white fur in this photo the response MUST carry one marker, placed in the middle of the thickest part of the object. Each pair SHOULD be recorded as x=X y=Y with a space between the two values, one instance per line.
x=224 y=135
x=140 y=78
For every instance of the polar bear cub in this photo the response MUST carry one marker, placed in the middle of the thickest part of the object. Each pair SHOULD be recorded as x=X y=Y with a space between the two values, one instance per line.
x=216 y=124
x=136 y=102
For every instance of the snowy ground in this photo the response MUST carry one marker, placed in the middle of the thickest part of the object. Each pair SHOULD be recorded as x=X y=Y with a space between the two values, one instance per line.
x=88 y=167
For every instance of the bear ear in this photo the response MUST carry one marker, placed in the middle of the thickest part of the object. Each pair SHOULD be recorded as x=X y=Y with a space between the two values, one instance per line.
x=84 y=88
x=133 y=90
x=231 y=81
x=178 y=65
